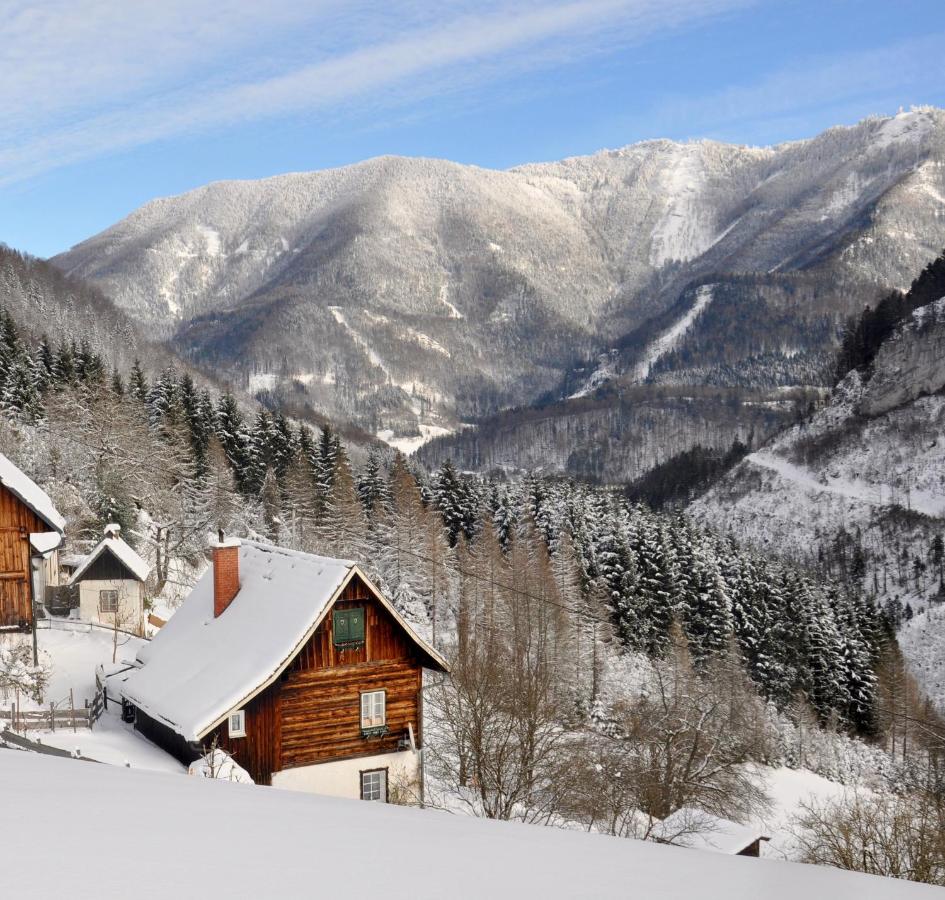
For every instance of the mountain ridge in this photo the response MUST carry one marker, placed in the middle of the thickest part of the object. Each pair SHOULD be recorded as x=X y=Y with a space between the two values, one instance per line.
x=479 y=289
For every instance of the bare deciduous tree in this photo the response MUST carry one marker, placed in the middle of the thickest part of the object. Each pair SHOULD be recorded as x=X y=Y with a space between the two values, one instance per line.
x=896 y=836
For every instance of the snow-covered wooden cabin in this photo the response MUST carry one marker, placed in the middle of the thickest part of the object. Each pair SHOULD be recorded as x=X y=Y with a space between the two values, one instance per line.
x=110 y=582
x=294 y=664
x=31 y=532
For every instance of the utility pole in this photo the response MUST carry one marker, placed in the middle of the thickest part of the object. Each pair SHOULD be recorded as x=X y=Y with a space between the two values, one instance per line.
x=32 y=589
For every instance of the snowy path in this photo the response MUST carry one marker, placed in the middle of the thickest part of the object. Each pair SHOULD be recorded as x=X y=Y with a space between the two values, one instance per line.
x=358 y=338
x=862 y=492
x=671 y=338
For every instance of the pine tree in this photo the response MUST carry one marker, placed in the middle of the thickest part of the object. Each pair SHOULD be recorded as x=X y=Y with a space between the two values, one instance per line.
x=326 y=453
x=231 y=431
x=137 y=383
x=453 y=498
x=272 y=505
x=373 y=487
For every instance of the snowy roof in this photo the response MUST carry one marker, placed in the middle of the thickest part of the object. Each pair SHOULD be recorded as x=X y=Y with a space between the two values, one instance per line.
x=122 y=551
x=284 y=836
x=22 y=486
x=45 y=542
x=700 y=830
x=199 y=667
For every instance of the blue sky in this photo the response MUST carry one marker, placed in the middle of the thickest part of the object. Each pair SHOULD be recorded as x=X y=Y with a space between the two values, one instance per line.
x=110 y=103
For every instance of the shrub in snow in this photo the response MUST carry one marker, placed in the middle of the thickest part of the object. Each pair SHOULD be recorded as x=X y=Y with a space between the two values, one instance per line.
x=17 y=672
x=218 y=764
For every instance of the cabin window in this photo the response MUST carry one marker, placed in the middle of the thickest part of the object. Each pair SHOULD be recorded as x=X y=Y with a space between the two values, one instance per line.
x=108 y=601
x=374 y=785
x=237 y=724
x=373 y=710
x=347 y=627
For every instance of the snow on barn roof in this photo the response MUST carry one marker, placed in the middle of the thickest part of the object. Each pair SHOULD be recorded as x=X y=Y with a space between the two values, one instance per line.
x=122 y=551
x=199 y=667
x=700 y=830
x=22 y=486
x=207 y=837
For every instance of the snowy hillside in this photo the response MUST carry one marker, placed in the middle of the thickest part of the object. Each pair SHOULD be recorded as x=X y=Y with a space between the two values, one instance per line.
x=859 y=488
x=196 y=836
x=435 y=292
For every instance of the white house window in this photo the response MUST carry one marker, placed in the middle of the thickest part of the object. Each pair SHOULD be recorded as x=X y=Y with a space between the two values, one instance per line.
x=238 y=724
x=374 y=785
x=373 y=710
x=108 y=601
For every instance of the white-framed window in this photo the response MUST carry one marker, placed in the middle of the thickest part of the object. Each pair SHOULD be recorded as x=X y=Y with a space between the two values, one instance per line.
x=108 y=601
x=374 y=785
x=237 y=723
x=373 y=709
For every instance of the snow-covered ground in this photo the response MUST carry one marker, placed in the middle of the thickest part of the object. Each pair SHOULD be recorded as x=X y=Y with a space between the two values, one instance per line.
x=923 y=642
x=788 y=789
x=151 y=836
x=408 y=445
x=71 y=651
x=113 y=742
x=927 y=502
x=670 y=338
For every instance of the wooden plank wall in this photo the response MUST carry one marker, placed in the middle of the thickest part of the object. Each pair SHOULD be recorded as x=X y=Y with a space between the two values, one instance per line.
x=17 y=521
x=260 y=751
x=321 y=711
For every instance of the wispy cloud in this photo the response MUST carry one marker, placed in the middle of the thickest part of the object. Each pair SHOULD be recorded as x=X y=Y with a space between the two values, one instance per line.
x=87 y=77
x=847 y=86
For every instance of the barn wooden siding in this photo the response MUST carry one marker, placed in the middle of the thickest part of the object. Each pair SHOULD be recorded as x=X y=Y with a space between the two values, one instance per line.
x=312 y=713
x=17 y=522
x=108 y=567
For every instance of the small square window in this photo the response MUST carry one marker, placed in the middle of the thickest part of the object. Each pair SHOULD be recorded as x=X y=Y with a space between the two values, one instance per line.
x=237 y=724
x=347 y=627
x=374 y=785
x=373 y=709
x=108 y=601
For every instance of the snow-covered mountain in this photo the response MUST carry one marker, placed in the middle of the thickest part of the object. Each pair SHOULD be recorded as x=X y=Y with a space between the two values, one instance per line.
x=407 y=292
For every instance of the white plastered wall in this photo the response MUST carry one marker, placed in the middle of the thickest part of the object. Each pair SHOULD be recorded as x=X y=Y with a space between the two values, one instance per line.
x=342 y=778
x=130 y=602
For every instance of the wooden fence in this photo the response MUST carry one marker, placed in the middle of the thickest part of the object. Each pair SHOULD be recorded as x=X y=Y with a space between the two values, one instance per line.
x=56 y=718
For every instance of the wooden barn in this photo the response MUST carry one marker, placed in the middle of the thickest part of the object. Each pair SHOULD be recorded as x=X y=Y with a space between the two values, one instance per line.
x=31 y=531
x=298 y=667
x=110 y=583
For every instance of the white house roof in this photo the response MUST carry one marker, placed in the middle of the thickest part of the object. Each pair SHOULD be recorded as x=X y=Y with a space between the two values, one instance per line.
x=199 y=667
x=21 y=485
x=700 y=830
x=121 y=551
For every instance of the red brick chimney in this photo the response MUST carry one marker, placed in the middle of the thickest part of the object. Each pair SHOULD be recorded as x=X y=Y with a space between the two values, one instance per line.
x=226 y=572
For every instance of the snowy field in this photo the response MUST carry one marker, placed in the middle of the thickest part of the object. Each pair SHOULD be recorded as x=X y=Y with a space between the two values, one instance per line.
x=71 y=651
x=788 y=790
x=120 y=833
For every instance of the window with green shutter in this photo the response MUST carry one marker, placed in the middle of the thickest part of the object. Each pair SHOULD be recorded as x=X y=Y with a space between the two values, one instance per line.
x=347 y=627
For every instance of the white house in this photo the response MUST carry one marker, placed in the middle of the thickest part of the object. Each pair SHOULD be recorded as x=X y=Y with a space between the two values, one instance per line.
x=111 y=581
